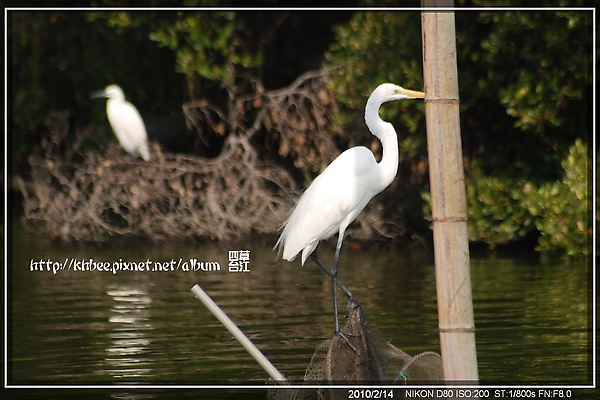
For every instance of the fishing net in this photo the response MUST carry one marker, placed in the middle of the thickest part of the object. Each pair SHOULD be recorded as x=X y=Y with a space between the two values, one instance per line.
x=372 y=361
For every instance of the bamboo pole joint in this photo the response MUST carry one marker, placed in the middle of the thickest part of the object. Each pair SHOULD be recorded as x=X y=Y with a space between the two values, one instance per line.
x=442 y=101
x=450 y=219
x=457 y=330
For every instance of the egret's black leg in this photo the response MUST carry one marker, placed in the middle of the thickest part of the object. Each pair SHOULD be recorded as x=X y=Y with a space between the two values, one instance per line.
x=334 y=283
x=133 y=163
x=346 y=291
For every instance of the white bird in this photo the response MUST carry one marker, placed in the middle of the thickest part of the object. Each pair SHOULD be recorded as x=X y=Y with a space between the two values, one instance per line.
x=126 y=122
x=337 y=196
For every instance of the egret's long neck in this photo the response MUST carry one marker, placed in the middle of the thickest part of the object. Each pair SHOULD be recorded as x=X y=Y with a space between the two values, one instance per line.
x=385 y=132
x=114 y=102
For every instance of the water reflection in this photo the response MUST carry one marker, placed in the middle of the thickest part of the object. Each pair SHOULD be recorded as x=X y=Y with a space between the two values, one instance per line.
x=129 y=336
x=525 y=308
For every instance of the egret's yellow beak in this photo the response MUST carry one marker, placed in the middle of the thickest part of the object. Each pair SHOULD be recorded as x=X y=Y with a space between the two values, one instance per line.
x=414 y=94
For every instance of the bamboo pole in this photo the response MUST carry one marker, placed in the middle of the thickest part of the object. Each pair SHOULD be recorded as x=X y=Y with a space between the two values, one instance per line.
x=448 y=198
x=238 y=334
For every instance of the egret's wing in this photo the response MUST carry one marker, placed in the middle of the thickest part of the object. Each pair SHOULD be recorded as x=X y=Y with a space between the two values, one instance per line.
x=334 y=198
x=315 y=217
x=129 y=127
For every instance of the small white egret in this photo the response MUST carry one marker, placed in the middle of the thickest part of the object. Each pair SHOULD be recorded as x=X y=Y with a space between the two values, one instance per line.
x=337 y=196
x=126 y=122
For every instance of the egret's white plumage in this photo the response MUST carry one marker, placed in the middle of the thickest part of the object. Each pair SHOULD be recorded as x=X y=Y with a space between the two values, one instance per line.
x=339 y=194
x=126 y=122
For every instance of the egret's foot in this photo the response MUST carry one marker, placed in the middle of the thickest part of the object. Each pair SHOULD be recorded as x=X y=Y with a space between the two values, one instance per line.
x=133 y=164
x=343 y=338
x=353 y=304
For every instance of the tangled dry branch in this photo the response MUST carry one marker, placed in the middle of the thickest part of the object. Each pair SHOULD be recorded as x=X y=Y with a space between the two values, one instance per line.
x=175 y=195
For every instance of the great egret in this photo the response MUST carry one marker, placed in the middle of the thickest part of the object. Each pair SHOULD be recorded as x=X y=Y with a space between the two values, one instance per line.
x=337 y=196
x=126 y=122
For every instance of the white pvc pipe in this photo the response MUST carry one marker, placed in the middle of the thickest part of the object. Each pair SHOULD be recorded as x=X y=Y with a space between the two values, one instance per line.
x=238 y=334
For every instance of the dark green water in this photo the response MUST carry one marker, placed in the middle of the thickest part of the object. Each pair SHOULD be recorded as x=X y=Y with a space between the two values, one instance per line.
x=146 y=327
